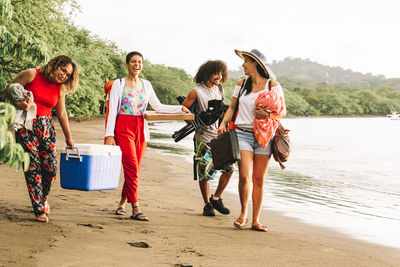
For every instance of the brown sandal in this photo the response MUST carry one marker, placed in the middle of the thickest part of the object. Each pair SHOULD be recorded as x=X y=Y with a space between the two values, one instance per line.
x=42 y=218
x=238 y=223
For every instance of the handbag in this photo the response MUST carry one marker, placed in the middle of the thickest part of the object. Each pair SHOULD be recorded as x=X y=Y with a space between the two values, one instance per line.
x=225 y=149
x=281 y=145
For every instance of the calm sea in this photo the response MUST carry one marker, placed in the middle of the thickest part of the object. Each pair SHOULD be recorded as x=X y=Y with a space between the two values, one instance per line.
x=343 y=173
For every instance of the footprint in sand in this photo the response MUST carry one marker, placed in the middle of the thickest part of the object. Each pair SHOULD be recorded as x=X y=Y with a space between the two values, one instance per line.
x=147 y=231
x=192 y=250
x=94 y=226
x=140 y=244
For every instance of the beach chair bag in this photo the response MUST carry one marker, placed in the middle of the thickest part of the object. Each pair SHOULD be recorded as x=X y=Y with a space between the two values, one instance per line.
x=225 y=149
x=281 y=145
x=107 y=90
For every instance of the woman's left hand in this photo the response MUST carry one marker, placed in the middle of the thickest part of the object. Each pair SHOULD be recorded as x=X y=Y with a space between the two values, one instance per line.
x=69 y=142
x=261 y=113
x=185 y=109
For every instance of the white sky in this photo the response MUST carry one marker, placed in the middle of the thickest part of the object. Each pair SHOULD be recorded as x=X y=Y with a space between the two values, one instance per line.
x=362 y=35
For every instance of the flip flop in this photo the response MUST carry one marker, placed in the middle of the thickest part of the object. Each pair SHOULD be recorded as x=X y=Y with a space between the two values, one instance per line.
x=42 y=218
x=259 y=228
x=140 y=217
x=238 y=224
x=120 y=211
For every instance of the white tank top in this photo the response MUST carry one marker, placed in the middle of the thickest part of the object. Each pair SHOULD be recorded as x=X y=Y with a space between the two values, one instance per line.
x=247 y=112
x=204 y=94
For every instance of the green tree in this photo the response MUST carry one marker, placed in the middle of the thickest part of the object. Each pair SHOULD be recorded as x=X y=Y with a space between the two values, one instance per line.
x=168 y=82
x=368 y=101
x=16 y=47
x=13 y=47
x=9 y=150
x=297 y=106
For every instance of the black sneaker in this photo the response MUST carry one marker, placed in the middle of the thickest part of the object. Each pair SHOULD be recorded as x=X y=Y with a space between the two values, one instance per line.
x=219 y=205
x=208 y=210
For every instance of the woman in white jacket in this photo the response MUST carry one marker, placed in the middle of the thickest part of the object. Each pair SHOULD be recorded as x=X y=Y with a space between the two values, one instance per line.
x=127 y=127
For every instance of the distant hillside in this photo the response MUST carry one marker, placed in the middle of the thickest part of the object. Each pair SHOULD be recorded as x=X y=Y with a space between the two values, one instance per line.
x=305 y=69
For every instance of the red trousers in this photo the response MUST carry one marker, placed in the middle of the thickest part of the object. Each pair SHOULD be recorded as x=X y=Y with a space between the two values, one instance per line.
x=129 y=135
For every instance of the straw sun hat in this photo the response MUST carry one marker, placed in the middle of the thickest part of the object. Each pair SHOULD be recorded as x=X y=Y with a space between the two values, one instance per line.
x=259 y=58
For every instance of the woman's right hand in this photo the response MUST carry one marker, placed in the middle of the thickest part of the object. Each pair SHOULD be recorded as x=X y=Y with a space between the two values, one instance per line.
x=185 y=110
x=110 y=141
x=221 y=129
x=24 y=104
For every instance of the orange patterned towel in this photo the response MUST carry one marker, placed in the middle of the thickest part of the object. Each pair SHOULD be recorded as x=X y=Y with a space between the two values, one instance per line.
x=264 y=129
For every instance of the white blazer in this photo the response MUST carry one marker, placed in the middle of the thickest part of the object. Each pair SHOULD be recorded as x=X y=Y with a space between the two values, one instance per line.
x=150 y=98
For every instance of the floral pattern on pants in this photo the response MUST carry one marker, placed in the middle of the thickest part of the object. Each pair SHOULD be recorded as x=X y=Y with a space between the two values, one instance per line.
x=40 y=144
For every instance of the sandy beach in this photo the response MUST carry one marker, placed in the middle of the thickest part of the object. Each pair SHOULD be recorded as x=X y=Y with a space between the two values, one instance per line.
x=83 y=230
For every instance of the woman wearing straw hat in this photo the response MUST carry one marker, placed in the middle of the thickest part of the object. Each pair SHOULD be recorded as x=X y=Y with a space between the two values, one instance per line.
x=260 y=79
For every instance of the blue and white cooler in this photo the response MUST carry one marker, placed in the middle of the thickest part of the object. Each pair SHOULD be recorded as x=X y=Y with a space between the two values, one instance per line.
x=90 y=167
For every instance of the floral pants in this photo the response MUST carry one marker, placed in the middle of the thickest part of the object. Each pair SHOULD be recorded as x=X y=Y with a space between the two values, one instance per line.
x=40 y=144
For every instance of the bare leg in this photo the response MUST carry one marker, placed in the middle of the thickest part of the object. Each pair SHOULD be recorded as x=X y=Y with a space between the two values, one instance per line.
x=260 y=166
x=246 y=158
x=222 y=183
x=47 y=207
x=122 y=202
x=205 y=191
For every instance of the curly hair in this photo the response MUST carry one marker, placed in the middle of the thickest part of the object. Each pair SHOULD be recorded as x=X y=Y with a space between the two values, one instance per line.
x=71 y=83
x=209 y=68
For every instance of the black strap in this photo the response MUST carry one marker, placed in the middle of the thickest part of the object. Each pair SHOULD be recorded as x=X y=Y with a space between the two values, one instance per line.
x=237 y=102
x=221 y=91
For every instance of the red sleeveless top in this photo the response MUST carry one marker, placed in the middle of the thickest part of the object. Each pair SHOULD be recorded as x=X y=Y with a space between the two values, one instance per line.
x=45 y=94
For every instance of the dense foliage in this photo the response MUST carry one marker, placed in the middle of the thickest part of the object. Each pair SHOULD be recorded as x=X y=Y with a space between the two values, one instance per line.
x=10 y=151
x=13 y=48
x=306 y=98
x=313 y=71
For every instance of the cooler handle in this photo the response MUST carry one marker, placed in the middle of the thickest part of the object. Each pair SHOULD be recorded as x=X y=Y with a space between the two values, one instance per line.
x=69 y=154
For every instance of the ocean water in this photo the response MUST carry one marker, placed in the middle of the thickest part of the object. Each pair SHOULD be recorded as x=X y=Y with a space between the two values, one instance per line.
x=343 y=173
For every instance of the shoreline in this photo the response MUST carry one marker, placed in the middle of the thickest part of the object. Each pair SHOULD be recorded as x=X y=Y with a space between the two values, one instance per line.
x=84 y=230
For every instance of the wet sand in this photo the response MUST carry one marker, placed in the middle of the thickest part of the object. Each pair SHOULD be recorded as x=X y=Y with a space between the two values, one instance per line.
x=83 y=230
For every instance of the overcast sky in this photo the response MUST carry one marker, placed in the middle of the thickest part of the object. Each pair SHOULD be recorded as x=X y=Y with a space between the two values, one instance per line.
x=360 y=35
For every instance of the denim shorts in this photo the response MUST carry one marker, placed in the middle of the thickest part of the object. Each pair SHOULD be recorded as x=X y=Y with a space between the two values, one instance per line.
x=247 y=141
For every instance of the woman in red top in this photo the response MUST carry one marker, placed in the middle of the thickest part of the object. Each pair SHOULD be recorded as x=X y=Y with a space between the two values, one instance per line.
x=48 y=84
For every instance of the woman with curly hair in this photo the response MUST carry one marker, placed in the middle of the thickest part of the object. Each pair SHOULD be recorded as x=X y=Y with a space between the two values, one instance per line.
x=48 y=86
x=209 y=78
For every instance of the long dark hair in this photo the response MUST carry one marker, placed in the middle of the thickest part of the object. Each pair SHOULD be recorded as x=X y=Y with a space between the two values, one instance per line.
x=248 y=82
x=209 y=68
